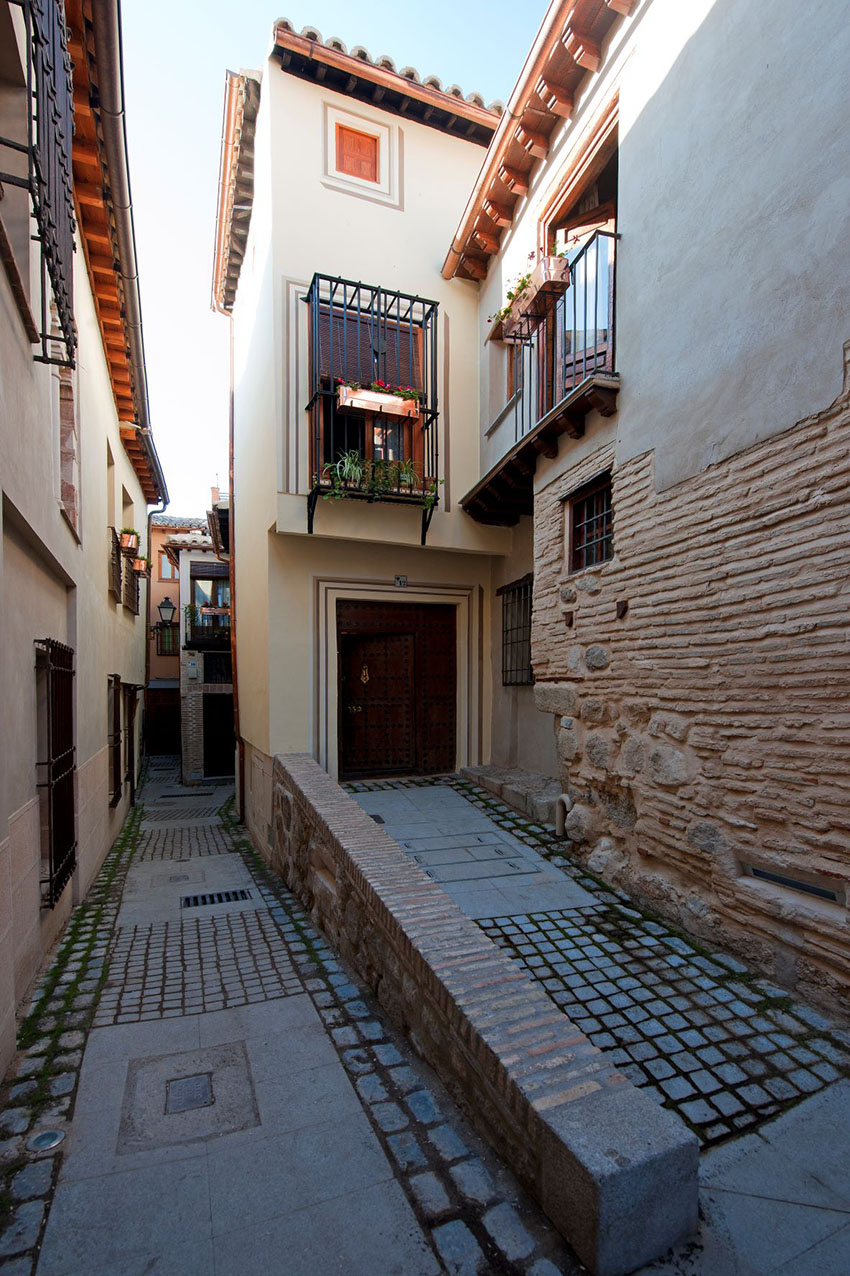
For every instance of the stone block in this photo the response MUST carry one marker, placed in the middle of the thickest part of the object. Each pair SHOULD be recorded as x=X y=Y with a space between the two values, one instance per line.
x=557 y=697
x=668 y=766
x=581 y=824
x=596 y=657
x=568 y=741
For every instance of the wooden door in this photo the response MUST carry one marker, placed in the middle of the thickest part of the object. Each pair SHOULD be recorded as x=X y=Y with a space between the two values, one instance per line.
x=402 y=718
x=377 y=721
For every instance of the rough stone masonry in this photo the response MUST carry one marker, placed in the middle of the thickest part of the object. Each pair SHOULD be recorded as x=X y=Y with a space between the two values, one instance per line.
x=616 y=1174
x=700 y=690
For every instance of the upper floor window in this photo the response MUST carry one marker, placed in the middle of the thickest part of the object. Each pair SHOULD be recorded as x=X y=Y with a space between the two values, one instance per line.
x=167 y=570
x=35 y=168
x=167 y=640
x=357 y=153
x=591 y=525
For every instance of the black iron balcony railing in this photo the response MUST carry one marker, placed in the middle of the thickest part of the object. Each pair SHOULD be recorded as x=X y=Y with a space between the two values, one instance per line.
x=116 y=562
x=40 y=157
x=574 y=342
x=208 y=629
x=373 y=396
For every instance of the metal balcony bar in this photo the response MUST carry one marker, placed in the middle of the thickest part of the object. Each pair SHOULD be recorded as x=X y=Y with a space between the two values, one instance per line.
x=367 y=442
x=575 y=341
x=208 y=630
x=46 y=157
x=55 y=665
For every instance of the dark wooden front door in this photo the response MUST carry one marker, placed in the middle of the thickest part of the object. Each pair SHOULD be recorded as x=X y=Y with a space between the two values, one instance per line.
x=219 y=741
x=397 y=689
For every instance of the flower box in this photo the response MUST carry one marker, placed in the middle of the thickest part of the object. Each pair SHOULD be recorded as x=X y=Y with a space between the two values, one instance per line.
x=351 y=400
x=141 y=566
x=130 y=540
x=549 y=280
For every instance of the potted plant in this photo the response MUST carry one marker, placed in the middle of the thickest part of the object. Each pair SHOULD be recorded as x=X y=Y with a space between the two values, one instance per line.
x=408 y=475
x=531 y=296
x=141 y=566
x=129 y=538
x=344 y=474
x=377 y=396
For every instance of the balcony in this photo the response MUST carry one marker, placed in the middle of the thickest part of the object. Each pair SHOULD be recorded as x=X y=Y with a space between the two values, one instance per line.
x=565 y=368
x=373 y=396
x=208 y=628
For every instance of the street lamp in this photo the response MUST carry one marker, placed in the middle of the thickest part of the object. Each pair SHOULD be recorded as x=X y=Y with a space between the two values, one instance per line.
x=166 y=610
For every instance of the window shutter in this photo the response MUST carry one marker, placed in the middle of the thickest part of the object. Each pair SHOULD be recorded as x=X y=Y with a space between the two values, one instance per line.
x=356 y=153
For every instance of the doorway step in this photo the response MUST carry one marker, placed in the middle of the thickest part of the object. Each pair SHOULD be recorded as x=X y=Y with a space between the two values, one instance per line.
x=531 y=794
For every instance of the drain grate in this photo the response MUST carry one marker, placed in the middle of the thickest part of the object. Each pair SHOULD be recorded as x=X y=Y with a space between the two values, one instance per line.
x=184 y=1094
x=215 y=897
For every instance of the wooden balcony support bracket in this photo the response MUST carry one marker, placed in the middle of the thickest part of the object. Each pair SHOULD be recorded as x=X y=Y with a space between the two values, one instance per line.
x=515 y=181
x=555 y=98
x=546 y=446
x=582 y=48
x=603 y=398
x=498 y=213
x=536 y=144
x=624 y=7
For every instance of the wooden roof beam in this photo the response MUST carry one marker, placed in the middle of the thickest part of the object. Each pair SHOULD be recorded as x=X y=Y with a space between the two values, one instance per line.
x=487 y=243
x=556 y=98
x=582 y=48
x=515 y=181
x=624 y=7
x=536 y=144
x=474 y=268
x=500 y=214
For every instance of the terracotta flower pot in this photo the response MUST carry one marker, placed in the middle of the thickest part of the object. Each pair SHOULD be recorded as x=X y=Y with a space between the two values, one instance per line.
x=129 y=540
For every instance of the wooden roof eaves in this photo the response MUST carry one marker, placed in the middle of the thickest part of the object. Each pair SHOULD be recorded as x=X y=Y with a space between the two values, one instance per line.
x=241 y=100
x=382 y=77
x=530 y=116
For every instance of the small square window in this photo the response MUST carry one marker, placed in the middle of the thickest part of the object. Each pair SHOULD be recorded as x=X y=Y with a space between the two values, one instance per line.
x=357 y=154
x=516 y=633
x=167 y=640
x=591 y=525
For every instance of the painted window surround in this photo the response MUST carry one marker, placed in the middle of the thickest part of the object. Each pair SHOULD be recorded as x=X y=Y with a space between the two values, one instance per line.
x=386 y=190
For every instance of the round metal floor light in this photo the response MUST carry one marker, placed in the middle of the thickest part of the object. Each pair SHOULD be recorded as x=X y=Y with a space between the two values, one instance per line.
x=45 y=1140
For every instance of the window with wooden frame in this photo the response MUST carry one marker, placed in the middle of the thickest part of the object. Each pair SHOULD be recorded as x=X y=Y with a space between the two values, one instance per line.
x=590 y=524
x=516 y=632
x=167 y=640
x=514 y=370
x=358 y=154
x=167 y=570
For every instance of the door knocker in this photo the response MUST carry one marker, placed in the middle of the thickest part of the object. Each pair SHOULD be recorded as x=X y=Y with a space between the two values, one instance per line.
x=364 y=676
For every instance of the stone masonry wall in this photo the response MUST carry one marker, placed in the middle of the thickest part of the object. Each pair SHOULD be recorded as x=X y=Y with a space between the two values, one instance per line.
x=616 y=1173
x=708 y=728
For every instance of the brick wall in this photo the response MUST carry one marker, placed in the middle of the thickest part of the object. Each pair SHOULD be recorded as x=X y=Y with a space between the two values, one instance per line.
x=616 y=1173
x=708 y=729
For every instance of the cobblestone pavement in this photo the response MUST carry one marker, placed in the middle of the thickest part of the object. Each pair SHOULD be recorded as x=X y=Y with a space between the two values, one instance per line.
x=720 y=1046
x=241 y=1105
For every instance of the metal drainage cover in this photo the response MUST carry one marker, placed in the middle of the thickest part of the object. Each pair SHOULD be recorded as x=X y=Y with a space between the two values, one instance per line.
x=184 y=1094
x=379 y=819
x=216 y=897
x=45 y=1140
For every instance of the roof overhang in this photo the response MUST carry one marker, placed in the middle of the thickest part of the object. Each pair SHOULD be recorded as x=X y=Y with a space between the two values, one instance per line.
x=235 y=184
x=218 y=521
x=380 y=84
x=567 y=49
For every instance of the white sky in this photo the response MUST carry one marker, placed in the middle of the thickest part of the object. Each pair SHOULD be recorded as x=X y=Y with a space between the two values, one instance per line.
x=176 y=53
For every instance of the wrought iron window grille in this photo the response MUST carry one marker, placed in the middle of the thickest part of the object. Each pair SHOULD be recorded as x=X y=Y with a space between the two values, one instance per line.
x=49 y=178
x=115 y=565
x=516 y=632
x=130 y=590
x=376 y=446
x=114 y=740
x=55 y=665
x=167 y=639
x=591 y=524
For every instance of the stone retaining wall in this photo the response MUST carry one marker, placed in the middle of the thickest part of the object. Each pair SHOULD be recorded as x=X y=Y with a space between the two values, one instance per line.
x=700 y=688
x=616 y=1174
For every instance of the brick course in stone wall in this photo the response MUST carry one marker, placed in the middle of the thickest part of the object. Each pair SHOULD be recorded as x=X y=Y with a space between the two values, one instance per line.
x=615 y=1173
x=707 y=730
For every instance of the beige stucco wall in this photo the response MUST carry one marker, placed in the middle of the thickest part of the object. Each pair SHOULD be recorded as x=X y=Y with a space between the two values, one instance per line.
x=54 y=583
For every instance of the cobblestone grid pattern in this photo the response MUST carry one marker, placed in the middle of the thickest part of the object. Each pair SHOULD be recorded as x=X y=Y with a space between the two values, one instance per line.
x=470 y=1209
x=721 y=1047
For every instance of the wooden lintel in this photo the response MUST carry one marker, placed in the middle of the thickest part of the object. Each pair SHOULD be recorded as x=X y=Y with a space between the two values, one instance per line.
x=498 y=213
x=625 y=7
x=486 y=242
x=546 y=447
x=555 y=98
x=582 y=48
x=474 y=268
x=514 y=179
x=534 y=143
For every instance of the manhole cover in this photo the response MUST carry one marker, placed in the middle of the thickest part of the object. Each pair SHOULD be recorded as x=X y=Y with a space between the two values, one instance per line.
x=179 y=877
x=183 y=1094
x=45 y=1140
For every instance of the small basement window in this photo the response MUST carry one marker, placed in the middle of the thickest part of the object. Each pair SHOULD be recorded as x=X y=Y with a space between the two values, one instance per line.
x=357 y=154
x=591 y=524
x=516 y=632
